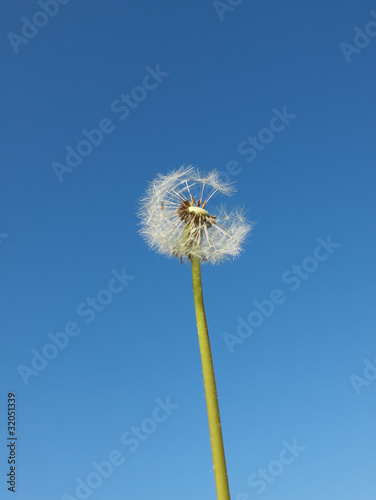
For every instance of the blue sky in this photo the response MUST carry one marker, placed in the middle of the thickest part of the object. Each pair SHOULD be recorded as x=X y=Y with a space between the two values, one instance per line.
x=281 y=96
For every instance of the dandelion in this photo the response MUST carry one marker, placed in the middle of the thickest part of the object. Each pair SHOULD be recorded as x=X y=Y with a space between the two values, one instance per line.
x=176 y=221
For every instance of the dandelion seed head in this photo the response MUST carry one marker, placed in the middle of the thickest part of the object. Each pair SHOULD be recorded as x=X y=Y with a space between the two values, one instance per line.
x=177 y=218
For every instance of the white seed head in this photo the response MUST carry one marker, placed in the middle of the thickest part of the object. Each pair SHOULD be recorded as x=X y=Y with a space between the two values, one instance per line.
x=175 y=220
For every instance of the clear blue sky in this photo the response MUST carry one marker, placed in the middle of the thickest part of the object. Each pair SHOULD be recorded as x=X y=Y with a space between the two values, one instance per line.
x=267 y=90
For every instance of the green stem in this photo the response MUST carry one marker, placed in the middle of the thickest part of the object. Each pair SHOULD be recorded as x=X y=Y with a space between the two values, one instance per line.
x=219 y=462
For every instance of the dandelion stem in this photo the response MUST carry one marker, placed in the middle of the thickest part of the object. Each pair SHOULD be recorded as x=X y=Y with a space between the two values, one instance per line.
x=219 y=462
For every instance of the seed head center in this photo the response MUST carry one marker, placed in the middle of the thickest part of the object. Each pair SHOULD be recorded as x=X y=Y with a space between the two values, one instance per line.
x=197 y=210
